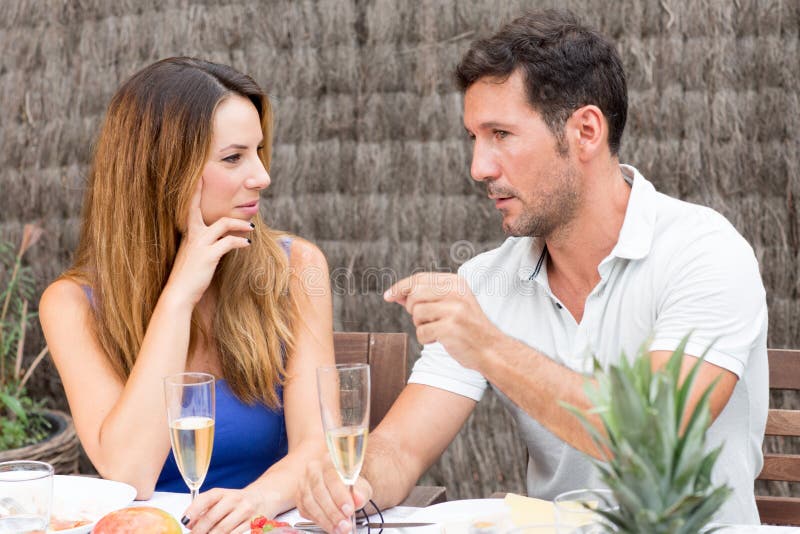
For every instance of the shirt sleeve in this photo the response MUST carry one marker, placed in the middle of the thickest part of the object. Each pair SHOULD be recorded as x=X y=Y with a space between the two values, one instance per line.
x=714 y=293
x=436 y=368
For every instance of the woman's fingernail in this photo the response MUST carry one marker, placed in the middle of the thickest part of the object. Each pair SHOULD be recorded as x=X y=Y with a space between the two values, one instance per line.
x=249 y=240
x=184 y=521
x=252 y=225
x=347 y=510
x=343 y=526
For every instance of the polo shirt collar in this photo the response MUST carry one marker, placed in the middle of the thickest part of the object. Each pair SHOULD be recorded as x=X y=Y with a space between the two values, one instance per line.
x=635 y=236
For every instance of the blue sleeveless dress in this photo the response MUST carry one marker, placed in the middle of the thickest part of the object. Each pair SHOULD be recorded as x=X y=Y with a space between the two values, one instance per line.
x=248 y=439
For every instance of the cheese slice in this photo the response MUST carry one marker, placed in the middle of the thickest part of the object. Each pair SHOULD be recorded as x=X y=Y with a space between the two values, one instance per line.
x=528 y=511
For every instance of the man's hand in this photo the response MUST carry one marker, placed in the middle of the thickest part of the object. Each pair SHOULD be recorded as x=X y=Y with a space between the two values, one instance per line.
x=323 y=498
x=444 y=309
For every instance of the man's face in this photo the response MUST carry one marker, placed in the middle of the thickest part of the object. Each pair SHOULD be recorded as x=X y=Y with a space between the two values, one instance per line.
x=527 y=172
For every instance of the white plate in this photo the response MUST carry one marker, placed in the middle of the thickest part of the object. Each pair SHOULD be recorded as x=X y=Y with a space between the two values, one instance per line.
x=79 y=498
x=456 y=516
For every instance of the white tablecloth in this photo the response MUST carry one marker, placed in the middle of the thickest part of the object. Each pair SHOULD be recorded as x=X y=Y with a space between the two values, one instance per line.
x=176 y=503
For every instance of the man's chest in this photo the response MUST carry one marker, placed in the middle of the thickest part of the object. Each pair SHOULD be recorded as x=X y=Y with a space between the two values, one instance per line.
x=619 y=314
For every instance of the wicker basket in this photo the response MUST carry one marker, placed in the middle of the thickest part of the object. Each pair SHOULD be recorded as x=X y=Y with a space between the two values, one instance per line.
x=61 y=449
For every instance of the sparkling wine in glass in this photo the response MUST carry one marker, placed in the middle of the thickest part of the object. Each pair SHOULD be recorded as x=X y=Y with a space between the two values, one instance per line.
x=190 y=413
x=344 y=404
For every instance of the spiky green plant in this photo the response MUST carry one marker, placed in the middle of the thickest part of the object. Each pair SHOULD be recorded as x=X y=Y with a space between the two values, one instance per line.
x=21 y=419
x=656 y=464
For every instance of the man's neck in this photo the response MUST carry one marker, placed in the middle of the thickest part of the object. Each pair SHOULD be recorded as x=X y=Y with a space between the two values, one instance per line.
x=576 y=251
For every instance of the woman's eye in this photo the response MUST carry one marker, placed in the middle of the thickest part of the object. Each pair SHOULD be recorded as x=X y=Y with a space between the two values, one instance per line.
x=233 y=158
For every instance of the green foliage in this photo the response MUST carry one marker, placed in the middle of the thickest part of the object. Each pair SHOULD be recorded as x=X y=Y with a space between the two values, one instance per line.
x=656 y=466
x=27 y=428
x=21 y=419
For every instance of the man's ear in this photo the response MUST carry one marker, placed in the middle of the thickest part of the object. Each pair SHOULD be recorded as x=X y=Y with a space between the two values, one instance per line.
x=587 y=131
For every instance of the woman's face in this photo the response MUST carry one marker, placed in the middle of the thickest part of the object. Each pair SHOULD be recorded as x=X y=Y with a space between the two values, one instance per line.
x=233 y=175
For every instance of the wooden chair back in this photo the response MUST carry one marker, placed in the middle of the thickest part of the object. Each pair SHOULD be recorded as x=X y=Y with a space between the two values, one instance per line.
x=784 y=374
x=386 y=355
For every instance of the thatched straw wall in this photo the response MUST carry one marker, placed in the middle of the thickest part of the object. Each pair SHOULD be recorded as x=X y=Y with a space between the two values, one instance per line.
x=371 y=161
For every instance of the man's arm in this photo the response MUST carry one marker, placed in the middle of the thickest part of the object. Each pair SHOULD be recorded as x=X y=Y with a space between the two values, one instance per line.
x=419 y=426
x=706 y=375
x=536 y=384
x=444 y=309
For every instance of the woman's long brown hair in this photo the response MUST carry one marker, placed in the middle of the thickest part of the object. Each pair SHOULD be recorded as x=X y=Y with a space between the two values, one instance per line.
x=148 y=158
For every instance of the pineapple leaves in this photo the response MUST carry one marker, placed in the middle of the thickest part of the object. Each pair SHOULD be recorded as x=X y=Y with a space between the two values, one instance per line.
x=656 y=463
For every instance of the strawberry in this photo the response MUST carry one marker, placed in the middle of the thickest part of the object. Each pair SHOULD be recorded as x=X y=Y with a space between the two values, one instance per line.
x=258 y=522
x=261 y=524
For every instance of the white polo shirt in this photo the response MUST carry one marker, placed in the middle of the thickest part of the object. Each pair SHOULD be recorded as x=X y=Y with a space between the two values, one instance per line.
x=676 y=268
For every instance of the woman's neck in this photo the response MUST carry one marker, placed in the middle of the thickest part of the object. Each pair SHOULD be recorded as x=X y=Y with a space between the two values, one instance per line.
x=204 y=356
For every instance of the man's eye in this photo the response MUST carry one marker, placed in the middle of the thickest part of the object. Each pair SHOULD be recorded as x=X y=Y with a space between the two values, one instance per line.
x=233 y=158
x=500 y=134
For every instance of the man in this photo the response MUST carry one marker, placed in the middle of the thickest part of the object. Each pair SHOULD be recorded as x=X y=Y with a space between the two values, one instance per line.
x=597 y=262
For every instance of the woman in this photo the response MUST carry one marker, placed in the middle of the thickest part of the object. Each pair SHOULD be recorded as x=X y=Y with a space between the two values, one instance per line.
x=175 y=271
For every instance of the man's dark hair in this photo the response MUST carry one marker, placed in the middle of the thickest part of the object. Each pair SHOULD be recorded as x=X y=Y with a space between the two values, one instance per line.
x=565 y=65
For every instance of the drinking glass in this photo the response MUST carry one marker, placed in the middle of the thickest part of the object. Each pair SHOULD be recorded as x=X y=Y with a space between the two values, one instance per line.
x=575 y=510
x=190 y=413
x=26 y=495
x=344 y=405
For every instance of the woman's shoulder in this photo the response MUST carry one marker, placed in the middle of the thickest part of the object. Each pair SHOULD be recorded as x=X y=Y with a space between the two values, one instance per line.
x=302 y=252
x=65 y=292
x=65 y=302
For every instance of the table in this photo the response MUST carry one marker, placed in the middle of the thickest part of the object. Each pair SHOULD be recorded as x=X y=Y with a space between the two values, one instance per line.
x=176 y=503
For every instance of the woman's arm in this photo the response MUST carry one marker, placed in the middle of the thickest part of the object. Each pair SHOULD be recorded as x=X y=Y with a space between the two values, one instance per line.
x=123 y=426
x=220 y=510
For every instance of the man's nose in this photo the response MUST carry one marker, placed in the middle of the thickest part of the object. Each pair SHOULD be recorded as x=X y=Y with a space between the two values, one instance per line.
x=484 y=166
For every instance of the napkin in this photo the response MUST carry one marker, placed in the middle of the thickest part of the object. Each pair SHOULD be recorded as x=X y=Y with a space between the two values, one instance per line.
x=527 y=510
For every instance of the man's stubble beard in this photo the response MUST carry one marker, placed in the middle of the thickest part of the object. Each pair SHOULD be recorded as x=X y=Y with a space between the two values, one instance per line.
x=550 y=215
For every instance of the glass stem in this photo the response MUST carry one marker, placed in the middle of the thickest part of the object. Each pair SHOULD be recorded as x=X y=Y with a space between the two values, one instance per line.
x=194 y=492
x=353 y=515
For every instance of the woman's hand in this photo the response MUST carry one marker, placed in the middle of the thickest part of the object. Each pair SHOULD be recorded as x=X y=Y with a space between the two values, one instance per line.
x=222 y=511
x=201 y=249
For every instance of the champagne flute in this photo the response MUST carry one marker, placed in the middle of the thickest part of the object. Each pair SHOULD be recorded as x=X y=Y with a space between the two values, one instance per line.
x=190 y=413
x=344 y=405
